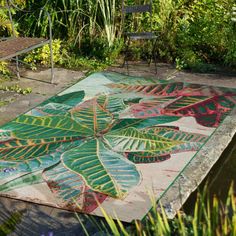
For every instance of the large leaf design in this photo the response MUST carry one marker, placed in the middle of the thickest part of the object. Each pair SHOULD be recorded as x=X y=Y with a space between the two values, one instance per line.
x=111 y=103
x=156 y=106
x=70 y=187
x=69 y=99
x=102 y=170
x=172 y=133
x=50 y=109
x=208 y=112
x=22 y=181
x=92 y=115
x=88 y=150
x=12 y=168
x=167 y=89
x=58 y=105
x=154 y=144
x=171 y=89
x=189 y=142
x=207 y=104
x=143 y=123
x=50 y=126
x=19 y=150
x=133 y=140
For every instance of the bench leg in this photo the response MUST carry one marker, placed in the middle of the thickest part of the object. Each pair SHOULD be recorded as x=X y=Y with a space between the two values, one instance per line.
x=126 y=63
x=17 y=68
x=52 y=63
x=154 y=54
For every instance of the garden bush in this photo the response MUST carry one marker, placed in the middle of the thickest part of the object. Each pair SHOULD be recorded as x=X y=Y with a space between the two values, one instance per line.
x=191 y=33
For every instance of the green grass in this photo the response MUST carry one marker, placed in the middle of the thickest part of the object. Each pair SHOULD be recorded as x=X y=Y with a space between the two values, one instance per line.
x=83 y=63
x=16 y=88
x=9 y=225
x=210 y=217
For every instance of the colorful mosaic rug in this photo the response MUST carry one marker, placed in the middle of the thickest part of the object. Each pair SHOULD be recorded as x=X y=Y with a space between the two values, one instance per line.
x=110 y=140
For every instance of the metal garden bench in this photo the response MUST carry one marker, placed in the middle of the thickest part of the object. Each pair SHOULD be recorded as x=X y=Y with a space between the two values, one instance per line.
x=12 y=47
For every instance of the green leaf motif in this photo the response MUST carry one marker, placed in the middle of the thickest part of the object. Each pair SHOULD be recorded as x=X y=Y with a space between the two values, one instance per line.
x=189 y=142
x=22 y=181
x=50 y=109
x=92 y=115
x=63 y=182
x=174 y=134
x=133 y=140
x=50 y=126
x=103 y=170
x=9 y=168
x=58 y=105
x=70 y=99
x=143 y=123
x=19 y=150
x=88 y=150
x=111 y=103
x=70 y=187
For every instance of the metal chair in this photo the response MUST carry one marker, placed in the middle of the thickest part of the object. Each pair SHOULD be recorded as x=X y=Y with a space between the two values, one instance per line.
x=147 y=35
x=12 y=47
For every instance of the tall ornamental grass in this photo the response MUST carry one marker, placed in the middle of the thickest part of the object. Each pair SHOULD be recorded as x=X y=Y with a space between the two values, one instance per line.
x=210 y=217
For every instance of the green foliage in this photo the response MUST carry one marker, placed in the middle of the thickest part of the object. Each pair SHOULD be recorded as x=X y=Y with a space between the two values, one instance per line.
x=108 y=13
x=73 y=21
x=10 y=224
x=210 y=217
x=16 y=88
x=42 y=55
x=204 y=33
x=4 y=71
x=99 y=49
x=83 y=63
x=5 y=24
x=191 y=33
x=180 y=64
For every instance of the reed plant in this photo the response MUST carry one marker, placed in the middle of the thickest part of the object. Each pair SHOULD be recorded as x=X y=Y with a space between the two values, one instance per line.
x=210 y=217
x=108 y=10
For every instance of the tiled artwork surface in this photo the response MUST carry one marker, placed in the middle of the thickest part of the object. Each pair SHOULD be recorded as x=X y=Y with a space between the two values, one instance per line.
x=110 y=140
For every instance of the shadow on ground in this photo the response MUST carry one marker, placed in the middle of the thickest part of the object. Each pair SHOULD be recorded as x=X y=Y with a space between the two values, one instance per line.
x=27 y=219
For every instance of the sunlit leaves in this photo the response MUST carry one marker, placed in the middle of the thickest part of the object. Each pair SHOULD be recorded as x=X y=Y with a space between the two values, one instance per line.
x=102 y=169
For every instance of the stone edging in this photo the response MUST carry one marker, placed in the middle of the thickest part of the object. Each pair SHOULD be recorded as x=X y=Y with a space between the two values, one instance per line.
x=188 y=181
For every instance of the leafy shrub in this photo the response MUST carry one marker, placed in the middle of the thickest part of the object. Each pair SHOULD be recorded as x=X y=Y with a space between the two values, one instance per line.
x=42 y=55
x=75 y=62
x=195 y=32
x=98 y=48
x=204 y=33
x=210 y=217
x=4 y=71
x=16 y=88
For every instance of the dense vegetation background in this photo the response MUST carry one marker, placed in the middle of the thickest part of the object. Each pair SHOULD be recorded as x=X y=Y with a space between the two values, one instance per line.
x=192 y=33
